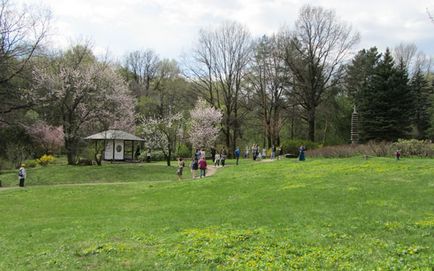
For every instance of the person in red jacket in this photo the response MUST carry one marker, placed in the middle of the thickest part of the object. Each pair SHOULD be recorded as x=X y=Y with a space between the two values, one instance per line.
x=202 y=166
x=398 y=154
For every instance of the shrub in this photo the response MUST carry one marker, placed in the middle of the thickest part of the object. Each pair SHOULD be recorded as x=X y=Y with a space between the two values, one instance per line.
x=183 y=151
x=339 y=151
x=6 y=164
x=380 y=149
x=155 y=156
x=45 y=160
x=342 y=151
x=84 y=162
x=31 y=163
x=291 y=146
x=414 y=147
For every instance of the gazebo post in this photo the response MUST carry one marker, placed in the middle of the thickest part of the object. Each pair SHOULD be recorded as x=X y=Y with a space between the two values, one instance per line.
x=132 y=151
x=103 y=150
x=113 y=159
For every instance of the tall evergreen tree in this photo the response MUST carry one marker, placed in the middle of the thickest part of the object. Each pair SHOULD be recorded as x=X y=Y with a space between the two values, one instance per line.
x=422 y=102
x=359 y=72
x=386 y=103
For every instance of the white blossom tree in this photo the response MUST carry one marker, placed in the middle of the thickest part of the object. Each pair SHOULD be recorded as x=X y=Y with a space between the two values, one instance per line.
x=87 y=94
x=161 y=133
x=204 y=125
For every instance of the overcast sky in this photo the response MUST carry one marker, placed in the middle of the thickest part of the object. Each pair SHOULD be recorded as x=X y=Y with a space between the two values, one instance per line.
x=170 y=27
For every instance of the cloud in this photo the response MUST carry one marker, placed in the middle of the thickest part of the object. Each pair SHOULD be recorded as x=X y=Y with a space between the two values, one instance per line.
x=171 y=26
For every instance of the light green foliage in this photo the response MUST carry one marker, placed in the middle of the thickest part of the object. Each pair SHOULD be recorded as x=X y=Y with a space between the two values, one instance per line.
x=321 y=214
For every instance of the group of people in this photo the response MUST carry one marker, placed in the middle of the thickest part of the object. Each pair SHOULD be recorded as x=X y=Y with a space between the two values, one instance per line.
x=276 y=152
x=219 y=158
x=198 y=161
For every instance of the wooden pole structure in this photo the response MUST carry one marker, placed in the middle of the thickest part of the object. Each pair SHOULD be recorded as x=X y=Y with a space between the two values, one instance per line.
x=355 y=127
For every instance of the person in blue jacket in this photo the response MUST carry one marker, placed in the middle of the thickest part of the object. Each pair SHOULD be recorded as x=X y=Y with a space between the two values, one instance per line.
x=237 y=154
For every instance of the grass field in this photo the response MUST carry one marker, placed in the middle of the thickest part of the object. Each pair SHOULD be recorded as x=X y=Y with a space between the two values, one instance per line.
x=321 y=214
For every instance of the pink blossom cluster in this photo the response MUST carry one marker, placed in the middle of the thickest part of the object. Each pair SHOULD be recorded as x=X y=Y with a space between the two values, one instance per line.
x=50 y=138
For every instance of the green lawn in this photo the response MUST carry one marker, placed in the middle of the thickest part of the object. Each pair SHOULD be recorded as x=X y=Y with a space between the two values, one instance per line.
x=324 y=214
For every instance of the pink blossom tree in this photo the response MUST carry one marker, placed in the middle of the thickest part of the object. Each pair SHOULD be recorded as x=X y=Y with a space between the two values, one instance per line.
x=88 y=94
x=204 y=125
x=49 y=138
x=161 y=133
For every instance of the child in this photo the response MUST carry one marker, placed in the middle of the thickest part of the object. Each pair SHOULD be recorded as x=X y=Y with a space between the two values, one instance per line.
x=217 y=160
x=181 y=165
x=202 y=167
x=194 y=167
x=22 y=175
x=398 y=154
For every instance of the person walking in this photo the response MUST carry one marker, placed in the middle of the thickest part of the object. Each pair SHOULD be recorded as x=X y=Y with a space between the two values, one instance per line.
x=217 y=159
x=273 y=152
x=202 y=167
x=398 y=154
x=223 y=155
x=213 y=152
x=148 y=156
x=255 y=151
x=194 y=166
x=279 y=152
x=237 y=155
x=246 y=153
x=181 y=165
x=301 y=153
x=22 y=175
x=202 y=153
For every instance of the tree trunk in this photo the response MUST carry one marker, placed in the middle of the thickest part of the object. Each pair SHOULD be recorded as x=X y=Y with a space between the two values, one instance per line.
x=311 y=122
x=71 y=151
x=228 y=136
x=98 y=159
x=169 y=156
x=325 y=132
x=268 y=134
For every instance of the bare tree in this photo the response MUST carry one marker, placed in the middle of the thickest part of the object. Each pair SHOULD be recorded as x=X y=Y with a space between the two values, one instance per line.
x=200 y=66
x=269 y=82
x=217 y=69
x=22 y=32
x=415 y=60
x=314 y=53
x=141 y=67
x=405 y=53
x=165 y=86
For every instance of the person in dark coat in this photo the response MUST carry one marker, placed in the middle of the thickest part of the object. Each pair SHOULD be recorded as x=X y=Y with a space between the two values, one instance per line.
x=301 y=153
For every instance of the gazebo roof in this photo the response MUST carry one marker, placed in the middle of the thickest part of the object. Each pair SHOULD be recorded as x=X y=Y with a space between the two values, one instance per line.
x=114 y=134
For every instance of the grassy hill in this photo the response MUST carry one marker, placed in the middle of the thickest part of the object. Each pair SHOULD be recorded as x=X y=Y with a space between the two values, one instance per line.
x=322 y=214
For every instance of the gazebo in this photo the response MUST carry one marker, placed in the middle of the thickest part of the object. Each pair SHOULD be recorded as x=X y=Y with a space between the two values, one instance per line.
x=117 y=144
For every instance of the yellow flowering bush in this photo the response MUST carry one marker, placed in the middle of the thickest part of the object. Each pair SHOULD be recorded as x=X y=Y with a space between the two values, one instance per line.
x=45 y=159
